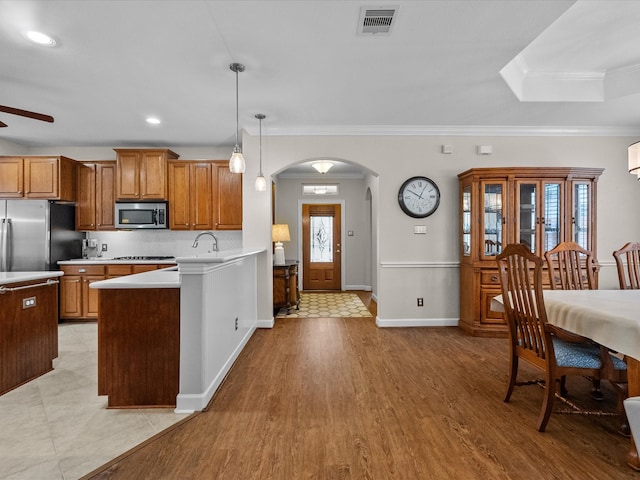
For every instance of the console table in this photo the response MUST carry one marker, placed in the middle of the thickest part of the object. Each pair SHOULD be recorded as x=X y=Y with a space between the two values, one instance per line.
x=285 y=286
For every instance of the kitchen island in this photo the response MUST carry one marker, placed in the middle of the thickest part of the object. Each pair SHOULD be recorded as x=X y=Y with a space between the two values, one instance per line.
x=179 y=346
x=28 y=326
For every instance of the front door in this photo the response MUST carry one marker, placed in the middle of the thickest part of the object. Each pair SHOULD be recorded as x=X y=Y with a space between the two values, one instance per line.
x=321 y=255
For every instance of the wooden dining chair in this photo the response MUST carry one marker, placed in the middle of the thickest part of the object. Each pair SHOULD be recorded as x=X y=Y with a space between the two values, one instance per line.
x=572 y=267
x=555 y=352
x=629 y=277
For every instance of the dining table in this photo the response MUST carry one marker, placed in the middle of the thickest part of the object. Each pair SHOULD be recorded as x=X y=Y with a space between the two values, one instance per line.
x=608 y=317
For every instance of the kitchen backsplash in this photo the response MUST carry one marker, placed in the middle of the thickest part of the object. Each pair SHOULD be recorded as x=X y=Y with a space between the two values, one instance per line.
x=162 y=242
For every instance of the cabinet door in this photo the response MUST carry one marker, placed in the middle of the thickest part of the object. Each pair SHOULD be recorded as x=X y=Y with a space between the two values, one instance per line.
x=70 y=296
x=493 y=220
x=11 y=177
x=227 y=196
x=200 y=196
x=539 y=214
x=105 y=195
x=90 y=296
x=86 y=199
x=128 y=181
x=179 y=203
x=41 y=177
x=153 y=175
x=582 y=216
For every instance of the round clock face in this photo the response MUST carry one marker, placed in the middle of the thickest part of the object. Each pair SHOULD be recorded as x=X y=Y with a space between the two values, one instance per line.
x=419 y=197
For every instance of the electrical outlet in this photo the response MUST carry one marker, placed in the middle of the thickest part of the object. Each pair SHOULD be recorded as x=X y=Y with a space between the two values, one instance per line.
x=28 y=302
x=236 y=323
x=104 y=247
x=420 y=302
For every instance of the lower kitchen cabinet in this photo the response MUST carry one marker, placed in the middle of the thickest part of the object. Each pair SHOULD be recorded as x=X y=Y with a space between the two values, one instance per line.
x=77 y=300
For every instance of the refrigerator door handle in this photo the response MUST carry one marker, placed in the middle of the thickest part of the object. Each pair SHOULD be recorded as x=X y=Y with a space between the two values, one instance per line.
x=3 y=245
x=8 y=237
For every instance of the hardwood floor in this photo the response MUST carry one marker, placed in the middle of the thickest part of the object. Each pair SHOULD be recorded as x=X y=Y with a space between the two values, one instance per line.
x=343 y=399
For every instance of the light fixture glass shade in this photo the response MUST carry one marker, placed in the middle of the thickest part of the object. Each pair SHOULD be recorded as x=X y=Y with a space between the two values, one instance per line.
x=322 y=166
x=261 y=183
x=236 y=163
x=634 y=159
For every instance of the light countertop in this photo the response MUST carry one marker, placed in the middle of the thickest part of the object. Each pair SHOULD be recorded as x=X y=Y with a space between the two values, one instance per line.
x=164 y=278
x=16 y=277
x=220 y=257
x=111 y=261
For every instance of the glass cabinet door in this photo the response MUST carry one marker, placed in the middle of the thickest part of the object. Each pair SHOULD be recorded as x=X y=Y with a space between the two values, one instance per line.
x=527 y=215
x=493 y=220
x=551 y=221
x=581 y=214
x=466 y=221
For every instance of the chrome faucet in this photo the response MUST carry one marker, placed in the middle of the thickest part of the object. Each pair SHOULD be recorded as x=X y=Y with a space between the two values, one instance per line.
x=215 y=240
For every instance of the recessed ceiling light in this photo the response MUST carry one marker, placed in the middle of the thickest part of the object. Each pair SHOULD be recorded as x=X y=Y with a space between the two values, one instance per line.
x=41 y=38
x=153 y=120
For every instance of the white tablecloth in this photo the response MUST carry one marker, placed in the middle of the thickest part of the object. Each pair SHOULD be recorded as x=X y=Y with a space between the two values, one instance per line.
x=609 y=317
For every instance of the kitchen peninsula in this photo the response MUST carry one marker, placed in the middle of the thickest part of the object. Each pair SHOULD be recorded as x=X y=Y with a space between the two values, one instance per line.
x=169 y=337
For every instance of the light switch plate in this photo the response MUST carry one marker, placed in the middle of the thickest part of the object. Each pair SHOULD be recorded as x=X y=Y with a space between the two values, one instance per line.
x=419 y=229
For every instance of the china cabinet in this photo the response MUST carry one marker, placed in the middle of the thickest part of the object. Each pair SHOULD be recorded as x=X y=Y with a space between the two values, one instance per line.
x=539 y=207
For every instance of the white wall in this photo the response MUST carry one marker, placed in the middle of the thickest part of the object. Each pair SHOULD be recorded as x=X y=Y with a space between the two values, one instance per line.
x=410 y=266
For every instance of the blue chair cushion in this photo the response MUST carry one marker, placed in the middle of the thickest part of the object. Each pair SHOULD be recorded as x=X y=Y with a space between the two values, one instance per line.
x=580 y=355
x=618 y=363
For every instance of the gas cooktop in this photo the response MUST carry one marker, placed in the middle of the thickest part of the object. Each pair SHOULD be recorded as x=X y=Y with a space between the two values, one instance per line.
x=146 y=257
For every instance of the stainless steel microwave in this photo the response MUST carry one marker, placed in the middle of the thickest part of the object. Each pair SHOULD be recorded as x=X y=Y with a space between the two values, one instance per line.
x=130 y=215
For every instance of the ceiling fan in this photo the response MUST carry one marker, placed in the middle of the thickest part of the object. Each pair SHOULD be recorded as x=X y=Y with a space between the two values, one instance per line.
x=24 y=113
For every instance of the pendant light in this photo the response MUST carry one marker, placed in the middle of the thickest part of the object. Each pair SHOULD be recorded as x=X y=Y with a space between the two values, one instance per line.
x=236 y=163
x=261 y=183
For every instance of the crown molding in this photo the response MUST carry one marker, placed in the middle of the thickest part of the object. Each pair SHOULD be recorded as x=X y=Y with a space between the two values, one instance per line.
x=455 y=130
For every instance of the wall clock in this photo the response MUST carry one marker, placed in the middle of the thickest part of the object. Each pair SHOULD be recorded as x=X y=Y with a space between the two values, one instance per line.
x=419 y=197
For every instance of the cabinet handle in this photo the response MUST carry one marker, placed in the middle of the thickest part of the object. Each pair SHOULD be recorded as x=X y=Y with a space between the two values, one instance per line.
x=82 y=270
x=494 y=278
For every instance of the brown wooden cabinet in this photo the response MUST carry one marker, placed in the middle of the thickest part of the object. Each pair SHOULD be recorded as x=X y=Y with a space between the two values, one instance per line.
x=227 y=197
x=285 y=286
x=539 y=207
x=142 y=174
x=50 y=178
x=28 y=335
x=190 y=195
x=77 y=299
x=96 y=196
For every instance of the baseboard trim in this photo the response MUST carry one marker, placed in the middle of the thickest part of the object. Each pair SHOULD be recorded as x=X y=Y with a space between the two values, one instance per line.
x=267 y=323
x=416 y=322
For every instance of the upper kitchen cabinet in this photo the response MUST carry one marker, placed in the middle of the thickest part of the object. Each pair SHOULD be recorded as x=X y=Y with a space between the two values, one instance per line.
x=538 y=207
x=51 y=178
x=142 y=174
x=96 y=196
x=190 y=195
x=227 y=197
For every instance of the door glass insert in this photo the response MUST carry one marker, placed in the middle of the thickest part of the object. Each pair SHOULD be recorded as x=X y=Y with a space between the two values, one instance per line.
x=321 y=239
x=492 y=219
x=551 y=215
x=581 y=215
x=466 y=221
x=527 y=216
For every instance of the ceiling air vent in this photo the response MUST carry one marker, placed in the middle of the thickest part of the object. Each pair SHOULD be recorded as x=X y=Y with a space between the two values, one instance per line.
x=376 y=21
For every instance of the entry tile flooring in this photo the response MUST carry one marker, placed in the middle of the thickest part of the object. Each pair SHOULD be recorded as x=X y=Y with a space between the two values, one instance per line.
x=56 y=427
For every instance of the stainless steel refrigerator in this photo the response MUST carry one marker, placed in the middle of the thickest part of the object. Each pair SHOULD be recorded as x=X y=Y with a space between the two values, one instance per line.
x=35 y=234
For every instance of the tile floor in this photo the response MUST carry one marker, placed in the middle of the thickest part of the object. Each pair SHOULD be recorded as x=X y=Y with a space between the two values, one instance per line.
x=56 y=427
